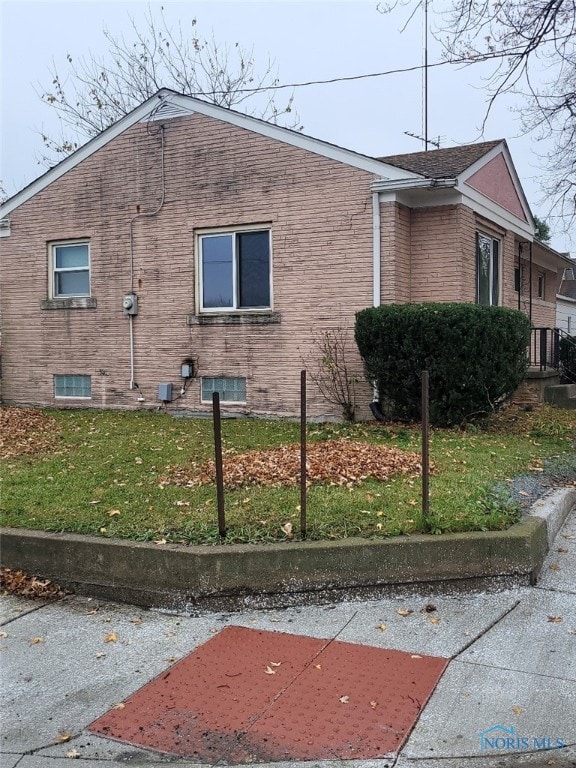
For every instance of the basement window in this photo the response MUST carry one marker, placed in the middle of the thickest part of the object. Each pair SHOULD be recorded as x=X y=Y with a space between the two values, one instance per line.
x=232 y=389
x=71 y=385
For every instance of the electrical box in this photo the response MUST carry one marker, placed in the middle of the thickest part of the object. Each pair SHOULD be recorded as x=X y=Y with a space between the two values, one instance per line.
x=165 y=391
x=130 y=304
x=187 y=370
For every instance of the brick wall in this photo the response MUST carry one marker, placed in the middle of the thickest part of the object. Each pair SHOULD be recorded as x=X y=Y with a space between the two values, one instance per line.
x=320 y=214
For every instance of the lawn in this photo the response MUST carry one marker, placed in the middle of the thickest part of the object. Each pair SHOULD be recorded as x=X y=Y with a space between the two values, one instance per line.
x=113 y=474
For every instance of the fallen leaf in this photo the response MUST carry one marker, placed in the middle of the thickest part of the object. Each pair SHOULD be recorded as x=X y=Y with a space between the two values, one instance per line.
x=120 y=705
x=138 y=460
x=517 y=710
x=269 y=671
x=171 y=659
x=434 y=620
x=37 y=640
x=373 y=704
x=160 y=541
x=94 y=501
x=275 y=663
x=317 y=666
x=415 y=656
x=344 y=699
x=100 y=655
x=62 y=737
x=137 y=620
x=287 y=528
x=554 y=567
x=73 y=753
x=3 y=635
x=111 y=637
x=562 y=550
x=113 y=512
x=404 y=611
x=428 y=608
x=382 y=627
x=555 y=619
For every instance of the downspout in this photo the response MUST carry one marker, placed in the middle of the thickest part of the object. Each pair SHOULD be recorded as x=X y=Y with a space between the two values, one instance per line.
x=376 y=265
x=376 y=253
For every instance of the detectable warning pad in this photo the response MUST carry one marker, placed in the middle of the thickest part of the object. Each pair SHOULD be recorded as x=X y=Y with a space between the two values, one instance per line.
x=254 y=696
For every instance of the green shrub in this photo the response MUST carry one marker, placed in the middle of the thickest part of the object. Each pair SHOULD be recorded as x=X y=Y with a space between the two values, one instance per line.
x=476 y=357
x=567 y=350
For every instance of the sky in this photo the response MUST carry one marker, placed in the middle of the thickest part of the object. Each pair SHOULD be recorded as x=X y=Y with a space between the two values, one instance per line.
x=313 y=40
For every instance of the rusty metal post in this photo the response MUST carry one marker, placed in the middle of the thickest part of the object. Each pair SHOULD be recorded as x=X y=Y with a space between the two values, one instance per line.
x=218 y=460
x=425 y=449
x=303 y=473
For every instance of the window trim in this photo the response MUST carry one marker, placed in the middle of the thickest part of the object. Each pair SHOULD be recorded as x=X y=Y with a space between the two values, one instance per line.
x=215 y=231
x=222 y=401
x=498 y=242
x=72 y=397
x=53 y=270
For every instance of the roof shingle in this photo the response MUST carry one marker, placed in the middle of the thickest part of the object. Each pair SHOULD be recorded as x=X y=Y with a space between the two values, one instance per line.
x=441 y=163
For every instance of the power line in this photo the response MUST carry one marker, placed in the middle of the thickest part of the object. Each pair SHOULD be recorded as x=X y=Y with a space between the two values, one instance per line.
x=475 y=59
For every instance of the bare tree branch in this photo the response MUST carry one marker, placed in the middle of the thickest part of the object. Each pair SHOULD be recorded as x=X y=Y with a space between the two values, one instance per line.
x=93 y=93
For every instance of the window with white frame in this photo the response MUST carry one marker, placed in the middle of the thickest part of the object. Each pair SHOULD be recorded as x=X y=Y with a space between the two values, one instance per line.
x=232 y=389
x=72 y=385
x=234 y=270
x=70 y=267
x=487 y=270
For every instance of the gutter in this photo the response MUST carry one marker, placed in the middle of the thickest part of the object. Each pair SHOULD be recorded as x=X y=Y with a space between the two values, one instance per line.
x=391 y=185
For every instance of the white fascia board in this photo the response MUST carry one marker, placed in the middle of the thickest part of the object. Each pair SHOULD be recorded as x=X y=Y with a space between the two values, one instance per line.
x=190 y=105
x=93 y=145
x=287 y=136
x=414 y=182
x=494 y=152
x=568 y=299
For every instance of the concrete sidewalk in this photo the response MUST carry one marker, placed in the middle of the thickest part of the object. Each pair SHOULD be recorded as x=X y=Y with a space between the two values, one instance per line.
x=512 y=665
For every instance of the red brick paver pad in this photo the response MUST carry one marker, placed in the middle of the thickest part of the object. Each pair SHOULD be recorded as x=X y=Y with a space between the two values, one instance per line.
x=254 y=696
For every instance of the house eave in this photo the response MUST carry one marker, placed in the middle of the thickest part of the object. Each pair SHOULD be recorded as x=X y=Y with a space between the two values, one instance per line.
x=398 y=185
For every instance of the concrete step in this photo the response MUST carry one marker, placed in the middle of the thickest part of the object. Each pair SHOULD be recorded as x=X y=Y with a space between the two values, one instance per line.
x=562 y=395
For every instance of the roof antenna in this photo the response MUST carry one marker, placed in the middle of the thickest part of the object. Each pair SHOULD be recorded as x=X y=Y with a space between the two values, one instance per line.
x=424 y=138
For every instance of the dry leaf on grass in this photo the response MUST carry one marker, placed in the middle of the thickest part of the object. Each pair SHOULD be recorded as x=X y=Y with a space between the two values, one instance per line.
x=26 y=431
x=111 y=637
x=336 y=462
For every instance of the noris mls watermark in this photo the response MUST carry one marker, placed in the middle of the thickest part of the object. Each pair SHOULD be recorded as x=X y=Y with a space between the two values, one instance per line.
x=500 y=738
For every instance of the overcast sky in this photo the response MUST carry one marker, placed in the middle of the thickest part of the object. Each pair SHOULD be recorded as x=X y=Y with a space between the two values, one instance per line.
x=313 y=40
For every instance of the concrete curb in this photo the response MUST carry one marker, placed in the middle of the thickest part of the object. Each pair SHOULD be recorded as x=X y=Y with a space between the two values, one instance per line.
x=176 y=576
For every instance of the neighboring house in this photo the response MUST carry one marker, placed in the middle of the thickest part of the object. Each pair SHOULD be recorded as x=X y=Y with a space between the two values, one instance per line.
x=566 y=301
x=191 y=239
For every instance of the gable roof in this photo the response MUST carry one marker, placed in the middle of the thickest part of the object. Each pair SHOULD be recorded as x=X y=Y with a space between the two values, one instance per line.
x=166 y=104
x=445 y=163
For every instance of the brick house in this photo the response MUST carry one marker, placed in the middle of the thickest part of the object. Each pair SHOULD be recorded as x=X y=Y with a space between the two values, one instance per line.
x=189 y=248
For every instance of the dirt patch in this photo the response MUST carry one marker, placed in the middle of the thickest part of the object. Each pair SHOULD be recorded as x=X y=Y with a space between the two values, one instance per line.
x=337 y=462
x=26 y=431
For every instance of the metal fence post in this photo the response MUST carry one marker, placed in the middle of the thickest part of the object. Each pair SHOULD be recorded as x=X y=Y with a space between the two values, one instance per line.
x=425 y=449
x=303 y=473
x=218 y=461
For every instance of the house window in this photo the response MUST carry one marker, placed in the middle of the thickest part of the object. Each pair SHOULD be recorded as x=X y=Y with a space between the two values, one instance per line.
x=232 y=389
x=72 y=385
x=234 y=270
x=70 y=264
x=541 y=291
x=487 y=270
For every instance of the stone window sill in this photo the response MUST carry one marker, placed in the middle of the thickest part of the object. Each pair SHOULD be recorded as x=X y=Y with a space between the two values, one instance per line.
x=247 y=318
x=76 y=302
